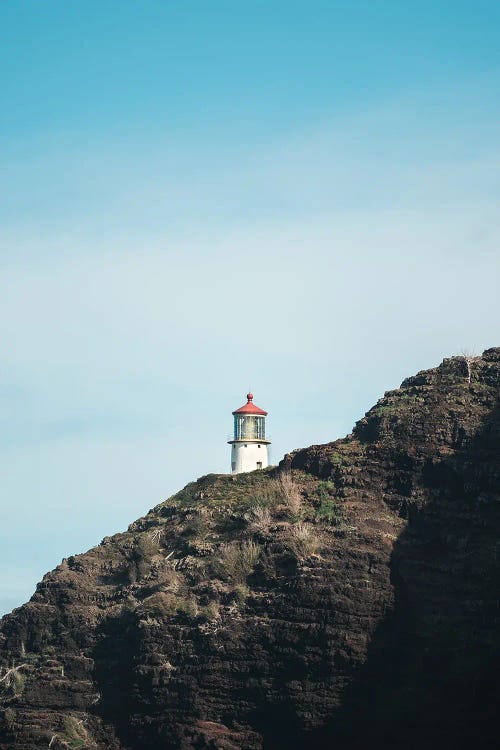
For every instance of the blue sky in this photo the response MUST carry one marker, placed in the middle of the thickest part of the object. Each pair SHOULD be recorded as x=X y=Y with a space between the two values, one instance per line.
x=200 y=197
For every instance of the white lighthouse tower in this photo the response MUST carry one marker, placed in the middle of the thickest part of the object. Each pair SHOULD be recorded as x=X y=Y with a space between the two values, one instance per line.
x=249 y=449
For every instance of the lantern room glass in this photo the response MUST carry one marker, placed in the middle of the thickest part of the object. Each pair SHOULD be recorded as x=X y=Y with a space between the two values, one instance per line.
x=249 y=427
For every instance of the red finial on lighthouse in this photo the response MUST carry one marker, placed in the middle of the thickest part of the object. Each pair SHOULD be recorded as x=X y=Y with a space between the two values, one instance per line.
x=249 y=397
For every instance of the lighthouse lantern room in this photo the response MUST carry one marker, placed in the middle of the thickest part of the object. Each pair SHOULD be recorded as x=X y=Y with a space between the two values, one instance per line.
x=249 y=447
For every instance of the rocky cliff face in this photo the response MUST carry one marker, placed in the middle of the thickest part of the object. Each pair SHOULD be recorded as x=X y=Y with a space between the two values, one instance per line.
x=348 y=599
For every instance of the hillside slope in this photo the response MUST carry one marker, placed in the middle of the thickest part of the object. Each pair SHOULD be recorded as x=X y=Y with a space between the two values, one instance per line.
x=349 y=598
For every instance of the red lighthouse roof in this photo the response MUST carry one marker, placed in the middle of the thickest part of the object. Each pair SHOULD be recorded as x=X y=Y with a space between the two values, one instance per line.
x=250 y=408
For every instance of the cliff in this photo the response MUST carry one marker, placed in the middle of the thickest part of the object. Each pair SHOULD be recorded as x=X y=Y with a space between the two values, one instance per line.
x=347 y=599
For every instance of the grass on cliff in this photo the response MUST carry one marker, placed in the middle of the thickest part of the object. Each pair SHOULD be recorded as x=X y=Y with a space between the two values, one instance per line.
x=238 y=559
x=301 y=539
x=71 y=734
x=14 y=679
x=227 y=517
x=209 y=545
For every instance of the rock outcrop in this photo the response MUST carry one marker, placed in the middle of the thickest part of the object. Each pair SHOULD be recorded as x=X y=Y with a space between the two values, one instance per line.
x=347 y=599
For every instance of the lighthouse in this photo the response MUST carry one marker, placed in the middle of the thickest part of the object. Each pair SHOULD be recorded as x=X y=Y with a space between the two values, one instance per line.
x=249 y=449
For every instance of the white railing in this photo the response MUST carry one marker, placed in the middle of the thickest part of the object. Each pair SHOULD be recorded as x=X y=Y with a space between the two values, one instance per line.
x=245 y=439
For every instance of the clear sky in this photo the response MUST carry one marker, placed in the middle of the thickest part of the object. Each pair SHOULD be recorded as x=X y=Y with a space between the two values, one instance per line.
x=201 y=197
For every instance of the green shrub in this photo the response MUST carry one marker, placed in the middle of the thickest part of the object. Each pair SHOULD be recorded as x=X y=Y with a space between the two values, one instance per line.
x=329 y=512
x=325 y=488
x=187 y=495
x=388 y=409
x=337 y=460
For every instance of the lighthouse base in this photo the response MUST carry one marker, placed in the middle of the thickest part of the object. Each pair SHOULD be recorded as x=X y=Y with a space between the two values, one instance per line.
x=248 y=456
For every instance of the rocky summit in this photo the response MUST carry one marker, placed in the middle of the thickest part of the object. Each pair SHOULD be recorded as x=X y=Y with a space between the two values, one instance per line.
x=347 y=599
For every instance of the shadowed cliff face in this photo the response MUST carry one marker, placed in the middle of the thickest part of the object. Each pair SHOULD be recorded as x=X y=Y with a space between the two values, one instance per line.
x=348 y=598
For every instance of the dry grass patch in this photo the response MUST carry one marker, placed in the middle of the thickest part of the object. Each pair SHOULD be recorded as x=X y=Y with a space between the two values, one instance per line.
x=301 y=540
x=259 y=519
x=238 y=559
x=212 y=611
x=162 y=605
x=292 y=496
x=74 y=732
x=241 y=592
x=14 y=679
